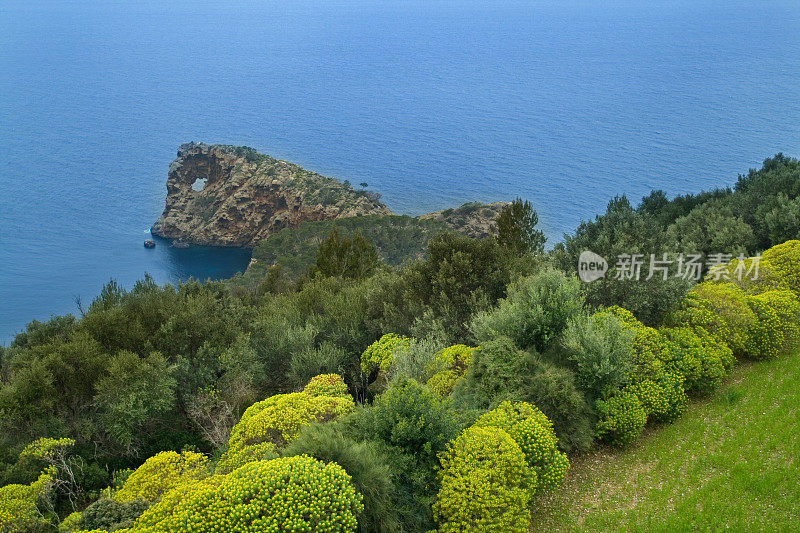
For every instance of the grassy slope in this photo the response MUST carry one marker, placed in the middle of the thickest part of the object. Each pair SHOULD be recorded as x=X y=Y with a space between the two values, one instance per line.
x=732 y=461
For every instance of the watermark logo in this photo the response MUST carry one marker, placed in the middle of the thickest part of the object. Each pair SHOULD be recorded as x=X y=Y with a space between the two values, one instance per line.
x=692 y=266
x=591 y=266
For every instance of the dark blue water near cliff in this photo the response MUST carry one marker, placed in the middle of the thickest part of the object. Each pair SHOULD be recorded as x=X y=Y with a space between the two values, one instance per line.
x=432 y=103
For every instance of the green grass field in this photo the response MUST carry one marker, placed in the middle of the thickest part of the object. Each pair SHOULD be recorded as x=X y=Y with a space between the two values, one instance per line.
x=731 y=462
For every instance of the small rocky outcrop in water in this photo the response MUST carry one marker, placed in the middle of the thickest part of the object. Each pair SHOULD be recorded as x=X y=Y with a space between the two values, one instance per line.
x=233 y=196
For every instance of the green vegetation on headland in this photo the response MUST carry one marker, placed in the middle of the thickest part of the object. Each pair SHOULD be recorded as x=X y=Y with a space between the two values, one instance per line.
x=445 y=393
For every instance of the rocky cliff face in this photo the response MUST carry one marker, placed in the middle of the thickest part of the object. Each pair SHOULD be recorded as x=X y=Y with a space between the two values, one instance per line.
x=233 y=196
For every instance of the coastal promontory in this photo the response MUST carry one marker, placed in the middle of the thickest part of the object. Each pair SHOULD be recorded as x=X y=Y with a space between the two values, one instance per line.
x=219 y=195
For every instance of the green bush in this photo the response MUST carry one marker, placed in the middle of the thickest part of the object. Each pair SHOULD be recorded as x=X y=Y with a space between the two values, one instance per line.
x=659 y=387
x=536 y=310
x=326 y=385
x=367 y=466
x=411 y=417
x=378 y=356
x=664 y=399
x=497 y=367
x=111 y=515
x=622 y=418
x=447 y=367
x=485 y=484
x=552 y=389
x=499 y=372
x=600 y=349
x=411 y=425
x=328 y=358
x=534 y=434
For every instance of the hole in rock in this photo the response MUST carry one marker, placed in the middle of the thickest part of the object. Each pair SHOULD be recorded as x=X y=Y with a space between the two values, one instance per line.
x=199 y=184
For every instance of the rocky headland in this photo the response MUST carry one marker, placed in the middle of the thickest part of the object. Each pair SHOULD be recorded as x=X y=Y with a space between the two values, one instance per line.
x=220 y=195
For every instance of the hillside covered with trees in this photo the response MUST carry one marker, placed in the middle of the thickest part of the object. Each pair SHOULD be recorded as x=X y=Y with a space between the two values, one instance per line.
x=439 y=390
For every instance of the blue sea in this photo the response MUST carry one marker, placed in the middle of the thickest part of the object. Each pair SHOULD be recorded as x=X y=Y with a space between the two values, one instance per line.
x=432 y=103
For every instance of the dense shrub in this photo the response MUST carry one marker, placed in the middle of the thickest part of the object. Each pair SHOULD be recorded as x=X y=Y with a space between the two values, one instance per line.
x=516 y=228
x=533 y=432
x=287 y=494
x=161 y=516
x=784 y=260
x=110 y=515
x=497 y=367
x=459 y=277
x=411 y=417
x=447 y=366
x=268 y=425
x=622 y=418
x=625 y=230
x=700 y=358
x=327 y=358
x=657 y=384
x=378 y=356
x=600 y=349
x=787 y=308
x=766 y=335
x=536 y=311
x=499 y=372
x=553 y=390
x=485 y=484
x=722 y=310
x=326 y=385
x=18 y=504
x=161 y=473
x=367 y=465
x=348 y=257
x=412 y=425
x=663 y=399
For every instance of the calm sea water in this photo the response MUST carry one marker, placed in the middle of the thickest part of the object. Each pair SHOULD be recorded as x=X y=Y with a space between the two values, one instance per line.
x=433 y=103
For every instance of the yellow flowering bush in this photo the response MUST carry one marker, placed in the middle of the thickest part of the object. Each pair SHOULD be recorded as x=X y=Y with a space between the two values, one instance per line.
x=702 y=360
x=378 y=355
x=533 y=433
x=766 y=335
x=18 y=511
x=784 y=259
x=787 y=307
x=326 y=385
x=622 y=417
x=191 y=494
x=46 y=449
x=297 y=493
x=659 y=389
x=663 y=399
x=484 y=484
x=268 y=425
x=161 y=473
x=448 y=366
